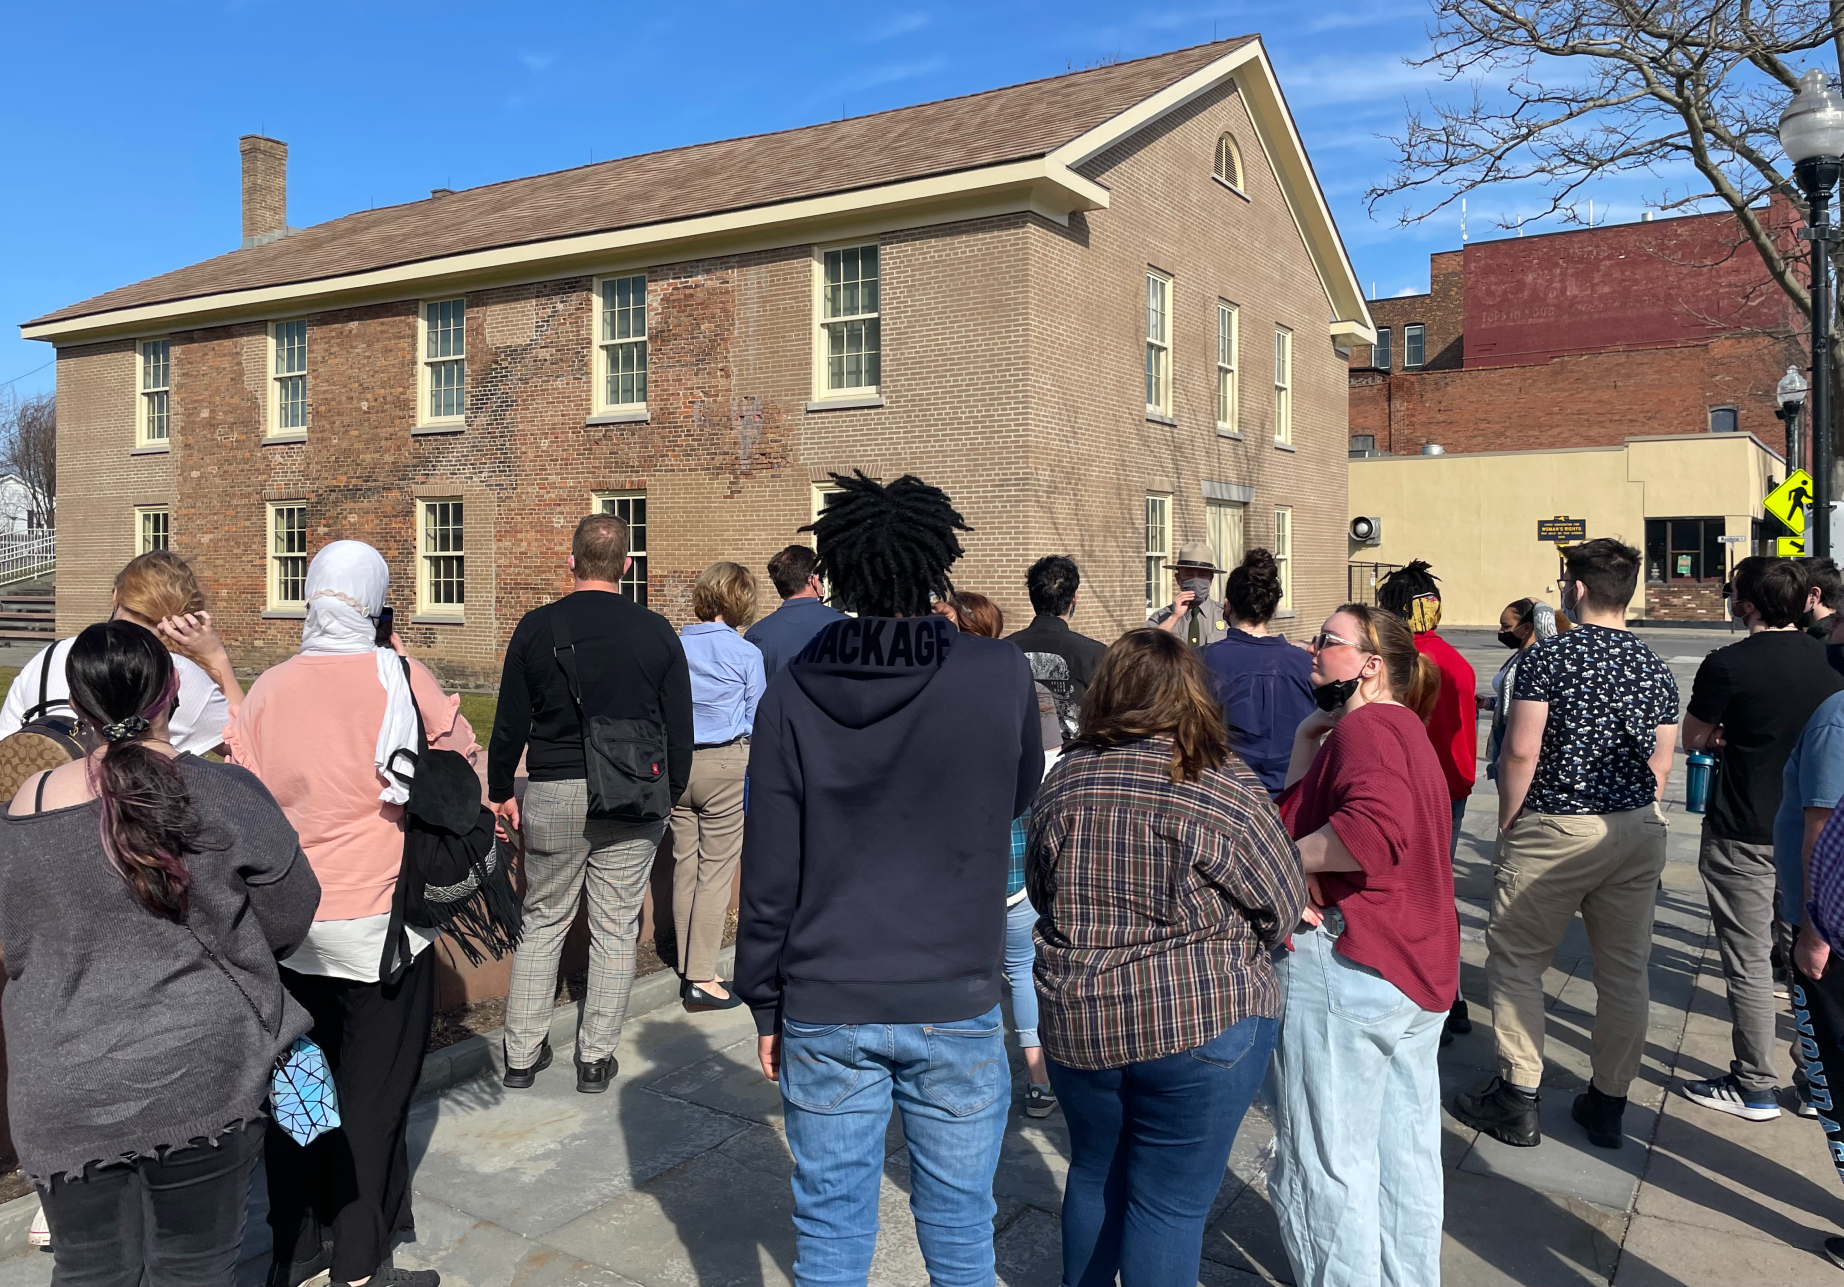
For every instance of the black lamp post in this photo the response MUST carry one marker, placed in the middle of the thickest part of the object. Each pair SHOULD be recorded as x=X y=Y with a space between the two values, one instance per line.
x=1812 y=132
x=1791 y=391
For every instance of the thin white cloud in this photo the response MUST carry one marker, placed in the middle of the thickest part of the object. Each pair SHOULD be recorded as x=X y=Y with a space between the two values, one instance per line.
x=890 y=74
x=898 y=25
x=1404 y=293
x=538 y=62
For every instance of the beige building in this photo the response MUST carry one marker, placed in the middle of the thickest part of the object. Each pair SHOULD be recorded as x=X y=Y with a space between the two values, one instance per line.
x=1108 y=312
x=1474 y=517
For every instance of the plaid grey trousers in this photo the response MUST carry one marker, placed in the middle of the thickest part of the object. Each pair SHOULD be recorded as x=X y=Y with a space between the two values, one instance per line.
x=566 y=855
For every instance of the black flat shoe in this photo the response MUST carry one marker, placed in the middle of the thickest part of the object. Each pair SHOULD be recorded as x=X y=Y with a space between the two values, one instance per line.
x=696 y=999
x=522 y=1078
x=593 y=1078
x=285 y=1273
x=1502 y=1111
x=1459 y=1023
x=1601 y=1116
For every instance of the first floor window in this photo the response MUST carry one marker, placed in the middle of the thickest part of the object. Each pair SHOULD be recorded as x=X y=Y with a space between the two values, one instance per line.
x=442 y=556
x=154 y=528
x=1685 y=549
x=630 y=508
x=1224 y=519
x=156 y=386
x=1158 y=344
x=287 y=555
x=1283 y=555
x=851 y=326
x=288 y=378
x=1283 y=386
x=445 y=360
x=623 y=341
x=1158 y=546
x=1226 y=367
x=1414 y=346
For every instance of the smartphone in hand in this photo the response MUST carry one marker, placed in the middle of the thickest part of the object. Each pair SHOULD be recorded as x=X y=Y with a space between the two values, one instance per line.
x=385 y=627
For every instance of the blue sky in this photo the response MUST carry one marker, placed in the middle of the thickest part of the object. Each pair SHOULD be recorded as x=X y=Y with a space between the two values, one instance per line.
x=119 y=124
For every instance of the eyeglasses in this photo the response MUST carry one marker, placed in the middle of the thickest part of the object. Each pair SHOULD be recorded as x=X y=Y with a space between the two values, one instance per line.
x=1326 y=639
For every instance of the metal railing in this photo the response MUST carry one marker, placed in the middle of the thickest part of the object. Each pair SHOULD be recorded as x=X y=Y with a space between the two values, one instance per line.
x=1361 y=580
x=27 y=555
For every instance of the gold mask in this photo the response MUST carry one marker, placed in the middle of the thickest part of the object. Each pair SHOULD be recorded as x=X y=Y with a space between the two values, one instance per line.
x=1424 y=614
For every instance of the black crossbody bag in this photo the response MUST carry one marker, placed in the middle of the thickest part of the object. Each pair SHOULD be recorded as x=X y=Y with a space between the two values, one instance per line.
x=624 y=760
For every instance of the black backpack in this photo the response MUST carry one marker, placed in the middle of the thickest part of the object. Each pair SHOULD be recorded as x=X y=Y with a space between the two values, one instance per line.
x=624 y=760
x=456 y=877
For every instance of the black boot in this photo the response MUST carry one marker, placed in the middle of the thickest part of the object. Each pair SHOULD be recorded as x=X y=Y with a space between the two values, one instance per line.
x=522 y=1078
x=1600 y=1115
x=592 y=1078
x=1502 y=1111
x=1459 y=1023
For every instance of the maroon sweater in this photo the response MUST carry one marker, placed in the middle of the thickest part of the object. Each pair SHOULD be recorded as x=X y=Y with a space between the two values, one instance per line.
x=1379 y=784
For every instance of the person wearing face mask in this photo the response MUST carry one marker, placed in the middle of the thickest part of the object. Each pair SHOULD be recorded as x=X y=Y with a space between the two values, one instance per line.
x=1824 y=597
x=1193 y=615
x=1522 y=625
x=1374 y=966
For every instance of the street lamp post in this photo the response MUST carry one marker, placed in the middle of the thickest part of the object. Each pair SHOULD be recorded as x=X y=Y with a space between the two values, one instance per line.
x=1812 y=132
x=1792 y=394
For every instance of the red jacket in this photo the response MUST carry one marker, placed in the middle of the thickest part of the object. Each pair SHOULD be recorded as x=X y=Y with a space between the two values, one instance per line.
x=1454 y=725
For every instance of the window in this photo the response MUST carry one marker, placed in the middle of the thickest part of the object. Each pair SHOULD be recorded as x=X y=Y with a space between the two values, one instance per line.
x=850 y=333
x=1685 y=549
x=622 y=341
x=1283 y=556
x=442 y=559
x=1158 y=547
x=630 y=508
x=288 y=377
x=1226 y=368
x=1283 y=386
x=1379 y=352
x=1229 y=162
x=154 y=528
x=1158 y=344
x=1724 y=420
x=1413 y=346
x=156 y=381
x=1223 y=522
x=444 y=361
x=287 y=556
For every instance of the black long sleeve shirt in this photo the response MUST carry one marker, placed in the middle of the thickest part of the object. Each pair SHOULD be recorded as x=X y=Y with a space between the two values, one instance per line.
x=631 y=666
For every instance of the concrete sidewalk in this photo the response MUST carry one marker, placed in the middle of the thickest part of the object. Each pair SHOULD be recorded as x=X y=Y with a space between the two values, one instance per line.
x=679 y=1175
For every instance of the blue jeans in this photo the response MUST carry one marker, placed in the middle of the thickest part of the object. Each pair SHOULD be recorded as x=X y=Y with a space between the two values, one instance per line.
x=1148 y=1144
x=1020 y=956
x=950 y=1082
x=1356 y=1093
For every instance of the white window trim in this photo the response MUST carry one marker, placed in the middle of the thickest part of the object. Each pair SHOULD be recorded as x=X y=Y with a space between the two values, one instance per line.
x=141 y=438
x=1236 y=184
x=424 y=362
x=1423 y=329
x=599 y=347
x=272 y=417
x=273 y=560
x=1229 y=399
x=1163 y=555
x=604 y=503
x=1283 y=554
x=425 y=608
x=1283 y=387
x=860 y=394
x=141 y=512
x=1163 y=407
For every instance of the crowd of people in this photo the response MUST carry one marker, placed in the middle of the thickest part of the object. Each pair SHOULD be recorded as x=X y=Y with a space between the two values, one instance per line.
x=1202 y=863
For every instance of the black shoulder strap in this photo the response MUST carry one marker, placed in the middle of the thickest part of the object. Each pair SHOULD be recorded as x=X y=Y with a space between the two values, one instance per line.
x=44 y=688
x=38 y=797
x=397 y=955
x=565 y=652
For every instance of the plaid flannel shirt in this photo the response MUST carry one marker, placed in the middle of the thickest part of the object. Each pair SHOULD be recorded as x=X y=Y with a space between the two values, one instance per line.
x=1158 y=904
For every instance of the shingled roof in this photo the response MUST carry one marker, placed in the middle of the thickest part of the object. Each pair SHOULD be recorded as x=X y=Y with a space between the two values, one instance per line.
x=1019 y=122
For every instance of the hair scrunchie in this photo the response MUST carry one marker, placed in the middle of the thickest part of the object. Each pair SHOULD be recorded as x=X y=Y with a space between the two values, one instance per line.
x=124 y=730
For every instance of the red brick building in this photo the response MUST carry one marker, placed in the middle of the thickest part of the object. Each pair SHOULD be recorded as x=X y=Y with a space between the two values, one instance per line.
x=1094 y=308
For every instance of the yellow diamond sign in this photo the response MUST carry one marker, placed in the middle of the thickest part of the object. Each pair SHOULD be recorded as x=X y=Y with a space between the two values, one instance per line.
x=1788 y=501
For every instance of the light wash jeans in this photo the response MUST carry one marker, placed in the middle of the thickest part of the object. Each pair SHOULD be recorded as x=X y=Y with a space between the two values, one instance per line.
x=1020 y=958
x=1357 y=1173
x=950 y=1083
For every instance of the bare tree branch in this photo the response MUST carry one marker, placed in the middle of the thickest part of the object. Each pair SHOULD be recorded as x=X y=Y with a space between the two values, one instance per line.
x=29 y=448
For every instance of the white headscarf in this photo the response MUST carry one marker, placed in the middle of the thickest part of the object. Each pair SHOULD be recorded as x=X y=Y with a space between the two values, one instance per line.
x=345 y=593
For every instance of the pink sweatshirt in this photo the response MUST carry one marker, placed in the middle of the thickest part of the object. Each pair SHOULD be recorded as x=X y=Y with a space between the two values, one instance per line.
x=308 y=729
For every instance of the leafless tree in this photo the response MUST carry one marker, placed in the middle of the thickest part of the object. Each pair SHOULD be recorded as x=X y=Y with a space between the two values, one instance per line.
x=29 y=448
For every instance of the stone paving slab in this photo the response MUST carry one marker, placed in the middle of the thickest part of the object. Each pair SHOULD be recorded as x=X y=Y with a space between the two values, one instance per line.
x=1662 y=1253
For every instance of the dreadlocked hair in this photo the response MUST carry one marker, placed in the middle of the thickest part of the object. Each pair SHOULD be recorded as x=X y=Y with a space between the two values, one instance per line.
x=885 y=550
x=1402 y=587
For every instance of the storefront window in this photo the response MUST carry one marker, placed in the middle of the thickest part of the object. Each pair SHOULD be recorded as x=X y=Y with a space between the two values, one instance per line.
x=1684 y=549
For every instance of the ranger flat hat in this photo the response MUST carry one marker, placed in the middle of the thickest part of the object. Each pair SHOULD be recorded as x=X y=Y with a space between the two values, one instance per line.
x=1196 y=554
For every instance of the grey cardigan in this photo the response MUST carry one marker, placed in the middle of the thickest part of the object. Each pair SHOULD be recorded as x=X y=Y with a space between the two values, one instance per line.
x=123 y=1035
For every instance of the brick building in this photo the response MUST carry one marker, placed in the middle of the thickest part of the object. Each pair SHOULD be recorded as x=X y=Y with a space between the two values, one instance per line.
x=1093 y=308
x=1592 y=339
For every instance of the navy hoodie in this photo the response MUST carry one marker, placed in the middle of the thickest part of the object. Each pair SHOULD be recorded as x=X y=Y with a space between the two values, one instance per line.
x=886 y=765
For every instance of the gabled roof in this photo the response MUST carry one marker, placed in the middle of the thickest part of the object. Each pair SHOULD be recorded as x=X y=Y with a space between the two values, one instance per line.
x=1015 y=144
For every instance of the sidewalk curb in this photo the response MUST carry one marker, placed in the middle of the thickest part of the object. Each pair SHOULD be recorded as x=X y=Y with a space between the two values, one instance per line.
x=449 y=1066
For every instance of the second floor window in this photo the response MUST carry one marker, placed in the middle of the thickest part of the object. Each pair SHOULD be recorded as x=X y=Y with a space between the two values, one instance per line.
x=445 y=360
x=1379 y=352
x=1159 y=344
x=1724 y=420
x=1226 y=367
x=1414 y=340
x=623 y=341
x=156 y=378
x=288 y=377
x=850 y=321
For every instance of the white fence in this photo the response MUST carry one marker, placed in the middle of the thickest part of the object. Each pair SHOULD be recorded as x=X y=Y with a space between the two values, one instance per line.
x=25 y=556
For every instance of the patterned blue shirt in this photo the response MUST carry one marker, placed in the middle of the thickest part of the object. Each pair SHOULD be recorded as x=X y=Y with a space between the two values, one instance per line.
x=727 y=680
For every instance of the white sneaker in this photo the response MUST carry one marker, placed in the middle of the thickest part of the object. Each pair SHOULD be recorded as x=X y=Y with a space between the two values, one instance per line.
x=39 y=1235
x=1725 y=1095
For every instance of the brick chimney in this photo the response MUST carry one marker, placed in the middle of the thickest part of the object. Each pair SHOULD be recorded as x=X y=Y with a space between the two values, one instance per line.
x=265 y=189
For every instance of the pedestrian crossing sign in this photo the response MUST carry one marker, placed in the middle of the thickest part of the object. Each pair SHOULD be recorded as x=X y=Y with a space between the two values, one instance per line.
x=1788 y=502
x=1790 y=547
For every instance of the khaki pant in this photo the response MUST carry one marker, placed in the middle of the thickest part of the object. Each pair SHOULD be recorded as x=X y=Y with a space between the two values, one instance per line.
x=707 y=840
x=1550 y=866
x=1740 y=880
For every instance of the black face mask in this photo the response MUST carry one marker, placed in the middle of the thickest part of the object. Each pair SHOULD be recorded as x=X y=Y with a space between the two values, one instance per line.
x=1510 y=640
x=1334 y=693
